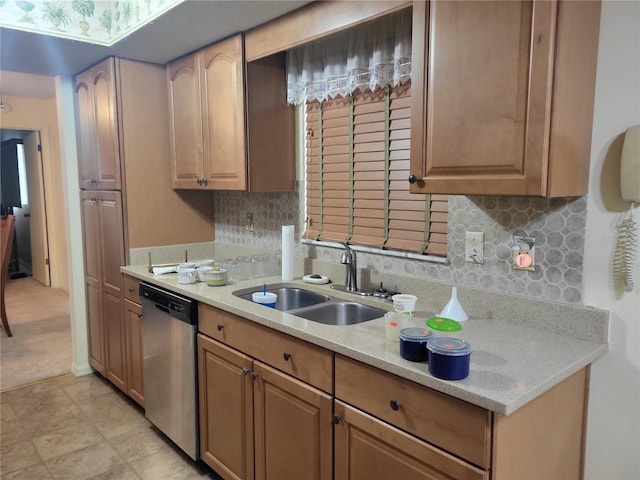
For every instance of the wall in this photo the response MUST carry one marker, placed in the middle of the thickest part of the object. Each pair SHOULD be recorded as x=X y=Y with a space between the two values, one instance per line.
x=613 y=439
x=581 y=230
x=41 y=114
x=65 y=98
x=557 y=225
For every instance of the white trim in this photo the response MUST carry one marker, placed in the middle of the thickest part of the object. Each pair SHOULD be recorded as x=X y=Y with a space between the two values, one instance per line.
x=379 y=251
x=81 y=370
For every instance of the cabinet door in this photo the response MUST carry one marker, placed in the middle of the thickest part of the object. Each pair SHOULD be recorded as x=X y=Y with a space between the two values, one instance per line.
x=112 y=241
x=293 y=428
x=114 y=331
x=185 y=122
x=87 y=163
x=134 y=352
x=368 y=449
x=481 y=115
x=226 y=409
x=106 y=125
x=92 y=276
x=222 y=90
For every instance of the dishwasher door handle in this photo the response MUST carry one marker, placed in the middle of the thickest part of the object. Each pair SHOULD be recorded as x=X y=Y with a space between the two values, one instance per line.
x=163 y=308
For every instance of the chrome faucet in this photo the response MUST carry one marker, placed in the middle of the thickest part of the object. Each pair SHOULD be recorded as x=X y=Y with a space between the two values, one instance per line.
x=348 y=259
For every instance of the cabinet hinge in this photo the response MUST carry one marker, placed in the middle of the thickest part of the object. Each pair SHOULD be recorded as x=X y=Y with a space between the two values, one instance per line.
x=46 y=261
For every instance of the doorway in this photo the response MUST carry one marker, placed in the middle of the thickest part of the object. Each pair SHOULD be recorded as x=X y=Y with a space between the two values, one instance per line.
x=22 y=194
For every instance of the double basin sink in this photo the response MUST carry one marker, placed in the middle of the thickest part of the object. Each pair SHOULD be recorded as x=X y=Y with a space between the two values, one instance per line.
x=316 y=307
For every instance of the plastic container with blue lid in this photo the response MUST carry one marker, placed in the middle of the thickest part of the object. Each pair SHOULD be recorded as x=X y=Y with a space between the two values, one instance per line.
x=413 y=344
x=449 y=358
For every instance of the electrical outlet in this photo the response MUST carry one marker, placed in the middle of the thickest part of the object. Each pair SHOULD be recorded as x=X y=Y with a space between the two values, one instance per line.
x=524 y=253
x=474 y=247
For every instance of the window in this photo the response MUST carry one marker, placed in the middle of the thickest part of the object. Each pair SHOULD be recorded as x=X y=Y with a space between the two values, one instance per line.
x=356 y=89
x=357 y=166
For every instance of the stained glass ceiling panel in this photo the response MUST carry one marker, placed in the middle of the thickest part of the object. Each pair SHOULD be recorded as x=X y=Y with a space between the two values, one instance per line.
x=102 y=22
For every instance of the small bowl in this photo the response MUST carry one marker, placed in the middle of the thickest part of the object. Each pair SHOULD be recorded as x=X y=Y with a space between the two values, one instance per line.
x=449 y=358
x=413 y=344
x=186 y=266
x=268 y=299
x=404 y=303
x=204 y=263
x=216 y=277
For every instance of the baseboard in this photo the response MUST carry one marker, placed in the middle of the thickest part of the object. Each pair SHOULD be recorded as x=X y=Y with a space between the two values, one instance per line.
x=81 y=370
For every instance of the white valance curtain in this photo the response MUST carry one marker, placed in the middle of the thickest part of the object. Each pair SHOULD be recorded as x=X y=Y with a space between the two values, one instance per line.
x=366 y=57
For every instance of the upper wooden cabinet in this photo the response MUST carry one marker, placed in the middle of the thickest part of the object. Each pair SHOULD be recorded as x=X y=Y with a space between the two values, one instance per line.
x=221 y=137
x=503 y=97
x=97 y=127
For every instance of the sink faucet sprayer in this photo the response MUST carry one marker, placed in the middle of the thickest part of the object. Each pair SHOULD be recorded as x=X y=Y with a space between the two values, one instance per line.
x=348 y=259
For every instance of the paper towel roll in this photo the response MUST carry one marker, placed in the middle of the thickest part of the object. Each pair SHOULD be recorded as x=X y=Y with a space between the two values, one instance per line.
x=288 y=252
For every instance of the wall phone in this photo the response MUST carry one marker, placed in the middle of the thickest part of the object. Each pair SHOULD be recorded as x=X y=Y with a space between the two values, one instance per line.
x=623 y=261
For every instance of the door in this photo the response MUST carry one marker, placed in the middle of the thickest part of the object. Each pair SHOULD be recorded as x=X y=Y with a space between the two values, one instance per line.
x=135 y=368
x=223 y=108
x=369 y=449
x=87 y=164
x=293 y=428
x=107 y=145
x=37 y=209
x=185 y=122
x=481 y=115
x=92 y=278
x=226 y=409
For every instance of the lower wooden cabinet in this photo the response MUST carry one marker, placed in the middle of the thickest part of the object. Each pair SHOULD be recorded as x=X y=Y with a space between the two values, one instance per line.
x=258 y=422
x=369 y=449
x=133 y=345
x=114 y=328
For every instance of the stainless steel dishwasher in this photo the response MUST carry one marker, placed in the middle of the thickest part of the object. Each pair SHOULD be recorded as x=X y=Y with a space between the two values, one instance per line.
x=169 y=328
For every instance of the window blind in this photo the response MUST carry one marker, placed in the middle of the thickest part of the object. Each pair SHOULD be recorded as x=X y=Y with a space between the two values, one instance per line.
x=357 y=167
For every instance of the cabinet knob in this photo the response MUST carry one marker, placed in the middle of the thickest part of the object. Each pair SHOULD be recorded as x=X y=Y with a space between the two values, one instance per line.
x=220 y=327
x=286 y=356
x=336 y=419
x=199 y=180
x=245 y=371
x=205 y=181
x=412 y=179
x=131 y=290
x=395 y=405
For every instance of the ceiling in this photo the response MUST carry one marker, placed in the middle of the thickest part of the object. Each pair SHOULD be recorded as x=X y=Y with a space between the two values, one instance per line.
x=185 y=28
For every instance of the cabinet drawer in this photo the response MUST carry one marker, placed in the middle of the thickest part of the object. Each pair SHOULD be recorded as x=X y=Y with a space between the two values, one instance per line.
x=454 y=425
x=131 y=285
x=367 y=448
x=302 y=360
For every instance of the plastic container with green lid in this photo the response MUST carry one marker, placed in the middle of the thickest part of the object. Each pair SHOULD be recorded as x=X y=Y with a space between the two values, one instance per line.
x=443 y=324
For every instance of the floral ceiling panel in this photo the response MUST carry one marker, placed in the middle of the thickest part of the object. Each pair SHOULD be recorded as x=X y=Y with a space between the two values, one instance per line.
x=103 y=22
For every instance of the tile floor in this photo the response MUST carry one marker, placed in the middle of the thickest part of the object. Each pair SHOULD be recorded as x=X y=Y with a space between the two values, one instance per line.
x=83 y=428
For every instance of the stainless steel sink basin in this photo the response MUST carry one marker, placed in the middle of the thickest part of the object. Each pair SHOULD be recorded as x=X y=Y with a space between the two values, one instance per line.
x=340 y=313
x=289 y=298
x=316 y=306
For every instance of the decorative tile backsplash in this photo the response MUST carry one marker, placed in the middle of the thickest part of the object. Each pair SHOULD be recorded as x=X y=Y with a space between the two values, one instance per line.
x=558 y=225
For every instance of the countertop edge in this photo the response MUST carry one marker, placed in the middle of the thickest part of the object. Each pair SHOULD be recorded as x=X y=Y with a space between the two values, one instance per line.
x=410 y=372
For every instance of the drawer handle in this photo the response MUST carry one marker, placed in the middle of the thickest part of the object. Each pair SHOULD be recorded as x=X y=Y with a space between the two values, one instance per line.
x=395 y=405
x=245 y=371
x=286 y=356
x=220 y=327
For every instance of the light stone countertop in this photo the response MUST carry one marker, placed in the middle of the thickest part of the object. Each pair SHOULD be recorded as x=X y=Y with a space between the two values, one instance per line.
x=511 y=364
